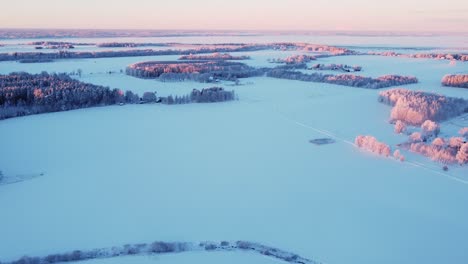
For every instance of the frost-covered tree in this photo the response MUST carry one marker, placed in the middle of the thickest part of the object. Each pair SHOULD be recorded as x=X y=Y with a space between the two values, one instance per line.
x=464 y=132
x=400 y=127
x=415 y=107
x=416 y=137
x=370 y=143
x=397 y=155
x=438 y=142
x=462 y=155
x=430 y=129
x=149 y=97
x=455 y=80
x=131 y=98
x=456 y=142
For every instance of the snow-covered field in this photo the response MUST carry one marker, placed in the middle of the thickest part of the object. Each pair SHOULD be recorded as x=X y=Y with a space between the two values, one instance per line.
x=190 y=257
x=242 y=170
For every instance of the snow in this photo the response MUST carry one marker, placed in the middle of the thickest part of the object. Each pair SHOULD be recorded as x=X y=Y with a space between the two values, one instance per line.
x=241 y=170
x=190 y=257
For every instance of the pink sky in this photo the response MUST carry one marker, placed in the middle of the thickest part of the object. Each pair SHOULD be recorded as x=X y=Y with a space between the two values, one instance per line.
x=395 y=15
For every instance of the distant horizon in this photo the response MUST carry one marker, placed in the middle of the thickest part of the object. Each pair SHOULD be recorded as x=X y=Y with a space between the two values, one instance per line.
x=282 y=31
x=264 y=15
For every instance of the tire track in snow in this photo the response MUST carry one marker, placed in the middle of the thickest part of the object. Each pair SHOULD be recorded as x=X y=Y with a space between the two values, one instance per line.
x=334 y=136
x=337 y=138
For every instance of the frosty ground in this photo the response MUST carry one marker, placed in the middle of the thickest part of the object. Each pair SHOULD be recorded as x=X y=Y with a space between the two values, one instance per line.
x=230 y=171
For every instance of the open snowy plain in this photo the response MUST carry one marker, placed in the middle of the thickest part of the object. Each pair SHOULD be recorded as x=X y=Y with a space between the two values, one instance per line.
x=240 y=170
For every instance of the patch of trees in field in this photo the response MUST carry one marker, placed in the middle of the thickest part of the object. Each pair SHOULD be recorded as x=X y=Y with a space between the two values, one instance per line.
x=445 y=150
x=330 y=50
x=214 y=56
x=336 y=67
x=415 y=107
x=438 y=56
x=344 y=79
x=455 y=80
x=24 y=94
x=128 y=45
x=371 y=144
x=295 y=59
x=57 y=43
x=160 y=247
x=206 y=95
x=192 y=49
x=201 y=71
x=125 y=53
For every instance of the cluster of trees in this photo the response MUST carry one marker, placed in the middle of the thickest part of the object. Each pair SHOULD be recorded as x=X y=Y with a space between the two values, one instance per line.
x=453 y=151
x=56 y=43
x=455 y=80
x=464 y=132
x=400 y=127
x=371 y=144
x=160 y=247
x=295 y=59
x=336 y=67
x=128 y=53
x=214 y=56
x=445 y=150
x=344 y=79
x=397 y=155
x=194 y=49
x=213 y=94
x=415 y=107
x=206 y=95
x=157 y=247
x=1 y=175
x=438 y=56
x=35 y=60
x=202 y=71
x=25 y=94
x=128 y=45
x=331 y=50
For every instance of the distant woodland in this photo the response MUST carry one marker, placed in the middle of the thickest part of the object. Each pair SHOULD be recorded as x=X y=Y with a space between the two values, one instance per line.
x=24 y=94
x=415 y=107
x=344 y=79
x=455 y=80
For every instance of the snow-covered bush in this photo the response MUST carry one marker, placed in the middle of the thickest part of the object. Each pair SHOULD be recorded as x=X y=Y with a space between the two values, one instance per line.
x=456 y=142
x=294 y=59
x=370 y=143
x=415 y=107
x=397 y=155
x=464 y=132
x=430 y=129
x=462 y=155
x=445 y=155
x=438 y=143
x=415 y=137
x=400 y=127
x=455 y=80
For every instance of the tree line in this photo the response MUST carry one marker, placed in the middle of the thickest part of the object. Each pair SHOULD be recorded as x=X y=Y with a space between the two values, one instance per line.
x=344 y=79
x=24 y=94
x=415 y=107
x=202 y=71
x=455 y=80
